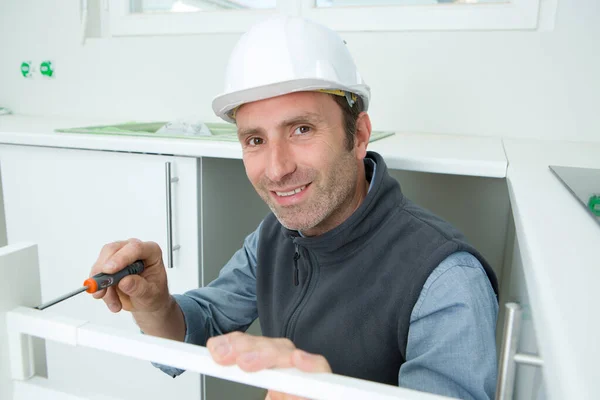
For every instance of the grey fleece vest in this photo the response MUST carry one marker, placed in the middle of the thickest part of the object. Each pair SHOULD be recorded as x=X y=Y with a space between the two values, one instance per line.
x=349 y=294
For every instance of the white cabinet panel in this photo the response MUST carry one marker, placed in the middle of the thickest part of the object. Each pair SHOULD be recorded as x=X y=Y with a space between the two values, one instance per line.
x=528 y=382
x=72 y=202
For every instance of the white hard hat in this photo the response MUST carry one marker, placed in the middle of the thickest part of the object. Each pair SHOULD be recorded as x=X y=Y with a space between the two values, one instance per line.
x=285 y=54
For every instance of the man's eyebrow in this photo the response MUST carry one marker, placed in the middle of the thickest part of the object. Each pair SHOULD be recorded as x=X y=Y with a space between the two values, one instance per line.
x=248 y=132
x=310 y=118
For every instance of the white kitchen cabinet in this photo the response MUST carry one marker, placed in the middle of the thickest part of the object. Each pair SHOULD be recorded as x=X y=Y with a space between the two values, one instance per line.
x=528 y=381
x=71 y=202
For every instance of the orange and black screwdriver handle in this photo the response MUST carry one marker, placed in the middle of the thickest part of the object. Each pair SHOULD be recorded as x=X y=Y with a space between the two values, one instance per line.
x=102 y=280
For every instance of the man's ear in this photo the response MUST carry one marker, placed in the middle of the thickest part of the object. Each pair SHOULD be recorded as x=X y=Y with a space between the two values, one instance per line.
x=363 y=134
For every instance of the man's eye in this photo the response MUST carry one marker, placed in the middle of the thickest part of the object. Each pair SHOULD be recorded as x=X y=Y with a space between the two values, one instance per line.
x=302 y=130
x=255 y=141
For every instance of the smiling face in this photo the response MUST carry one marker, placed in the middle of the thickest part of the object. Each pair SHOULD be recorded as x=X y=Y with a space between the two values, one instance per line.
x=296 y=157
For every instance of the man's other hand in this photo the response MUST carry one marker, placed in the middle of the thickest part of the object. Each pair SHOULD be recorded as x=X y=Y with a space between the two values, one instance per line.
x=254 y=353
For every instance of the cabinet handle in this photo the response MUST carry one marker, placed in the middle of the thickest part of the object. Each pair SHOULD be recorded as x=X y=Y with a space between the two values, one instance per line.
x=170 y=248
x=508 y=353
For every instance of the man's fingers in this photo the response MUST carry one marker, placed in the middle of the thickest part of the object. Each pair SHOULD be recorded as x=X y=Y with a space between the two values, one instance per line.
x=134 y=286
x=132 y=251
x=112 y=300
x=108 y=250
x=117 y=255
x=309 y=362
x=273 y=357
x=99 y=294
x=267 y=357
x=255 y=353
x=226 y=349
x=305 y=362
x=273 y=395
x=221 y=350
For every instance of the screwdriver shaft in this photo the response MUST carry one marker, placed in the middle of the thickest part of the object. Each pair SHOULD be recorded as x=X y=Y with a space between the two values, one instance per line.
x=61 y=298
x=99 y=282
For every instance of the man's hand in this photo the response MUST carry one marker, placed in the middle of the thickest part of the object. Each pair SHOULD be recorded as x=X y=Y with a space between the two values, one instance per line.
x=146 y=292
x=254 y=353
x=146 y=295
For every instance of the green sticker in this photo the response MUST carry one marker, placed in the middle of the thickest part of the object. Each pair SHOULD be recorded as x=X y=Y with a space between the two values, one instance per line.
x=594 y=204
x=46 y=68
x=25 y=69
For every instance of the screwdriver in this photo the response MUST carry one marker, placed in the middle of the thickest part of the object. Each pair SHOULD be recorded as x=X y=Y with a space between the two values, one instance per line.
x=99 y=282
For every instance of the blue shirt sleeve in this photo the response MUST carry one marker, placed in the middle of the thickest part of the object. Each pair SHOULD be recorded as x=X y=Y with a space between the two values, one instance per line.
x=227 y=304
x=451 y=347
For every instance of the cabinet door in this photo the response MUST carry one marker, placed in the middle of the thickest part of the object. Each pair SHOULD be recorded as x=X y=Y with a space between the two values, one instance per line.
x=72 y=202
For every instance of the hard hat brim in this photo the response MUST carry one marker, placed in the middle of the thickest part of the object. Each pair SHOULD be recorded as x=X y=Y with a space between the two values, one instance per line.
x=223 y=104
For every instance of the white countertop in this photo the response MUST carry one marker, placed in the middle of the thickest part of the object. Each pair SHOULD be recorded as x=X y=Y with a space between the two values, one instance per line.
x=560 y=246
x=448 y=154
x=39 y=131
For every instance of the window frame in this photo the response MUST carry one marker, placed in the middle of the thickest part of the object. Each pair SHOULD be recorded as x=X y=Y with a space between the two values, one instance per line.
x=124 y=23
x=511 y=15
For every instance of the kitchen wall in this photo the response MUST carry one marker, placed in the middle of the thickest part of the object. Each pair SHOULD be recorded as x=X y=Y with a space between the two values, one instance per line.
x=541 y=84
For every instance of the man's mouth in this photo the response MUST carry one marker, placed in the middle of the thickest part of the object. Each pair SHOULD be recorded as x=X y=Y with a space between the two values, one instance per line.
x=291 y=192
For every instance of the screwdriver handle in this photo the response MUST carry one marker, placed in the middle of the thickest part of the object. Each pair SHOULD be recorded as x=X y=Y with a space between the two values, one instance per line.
x=102 y=280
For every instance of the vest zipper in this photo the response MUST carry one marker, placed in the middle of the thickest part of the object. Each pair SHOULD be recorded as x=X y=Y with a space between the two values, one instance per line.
x=312 y=277
x=296 y=257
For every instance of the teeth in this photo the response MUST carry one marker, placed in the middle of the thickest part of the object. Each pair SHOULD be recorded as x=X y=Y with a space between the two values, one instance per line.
x=291 y=192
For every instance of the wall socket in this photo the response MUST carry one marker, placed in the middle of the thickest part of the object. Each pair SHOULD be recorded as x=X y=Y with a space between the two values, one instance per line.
x=45 y=69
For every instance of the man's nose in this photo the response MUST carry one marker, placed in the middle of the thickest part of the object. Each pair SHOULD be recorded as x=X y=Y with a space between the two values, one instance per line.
x=280 y=162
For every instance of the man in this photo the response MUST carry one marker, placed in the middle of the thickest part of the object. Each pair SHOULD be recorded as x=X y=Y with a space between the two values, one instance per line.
x=346 y=274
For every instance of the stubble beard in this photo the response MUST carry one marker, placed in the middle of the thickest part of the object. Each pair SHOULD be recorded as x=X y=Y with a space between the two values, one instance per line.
x=328 y=198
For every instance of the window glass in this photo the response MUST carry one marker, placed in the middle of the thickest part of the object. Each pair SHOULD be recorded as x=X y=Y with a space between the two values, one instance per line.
x=162 y=6
x=344 y=3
